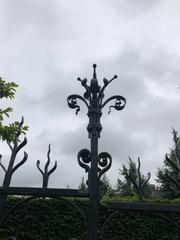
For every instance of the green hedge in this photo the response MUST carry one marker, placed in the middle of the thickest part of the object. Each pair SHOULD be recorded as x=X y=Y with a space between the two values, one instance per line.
x=52 y=219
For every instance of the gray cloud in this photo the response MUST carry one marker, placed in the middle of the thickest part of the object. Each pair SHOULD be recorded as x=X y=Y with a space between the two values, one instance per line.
x=46 y=46
x=131 y=7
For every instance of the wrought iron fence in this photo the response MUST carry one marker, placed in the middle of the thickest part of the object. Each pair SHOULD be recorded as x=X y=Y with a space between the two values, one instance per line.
x=94 y=163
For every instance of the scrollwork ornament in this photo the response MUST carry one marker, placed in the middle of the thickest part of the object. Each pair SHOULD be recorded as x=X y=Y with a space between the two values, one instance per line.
x=72 y=102
x=120 y=103
x=104 y=163
x=84 y=158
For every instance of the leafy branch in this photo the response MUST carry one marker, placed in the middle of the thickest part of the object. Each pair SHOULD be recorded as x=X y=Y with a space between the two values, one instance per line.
x=7 y=89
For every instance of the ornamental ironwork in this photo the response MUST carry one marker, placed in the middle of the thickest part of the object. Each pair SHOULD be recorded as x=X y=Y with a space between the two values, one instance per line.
x=94 y=163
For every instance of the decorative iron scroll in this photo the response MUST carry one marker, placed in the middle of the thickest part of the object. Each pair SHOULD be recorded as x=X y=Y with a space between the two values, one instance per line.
x=72 y=102
x=84 y=158
x=104 y=163
x=93 y=163
x=94 y=94
x=120 y=103
x=46 y=173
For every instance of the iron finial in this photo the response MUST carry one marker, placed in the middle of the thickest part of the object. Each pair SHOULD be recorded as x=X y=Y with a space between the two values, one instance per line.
x=94 y=73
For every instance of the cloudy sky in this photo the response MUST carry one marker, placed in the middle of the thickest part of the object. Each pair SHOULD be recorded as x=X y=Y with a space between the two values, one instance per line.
x=45 y=45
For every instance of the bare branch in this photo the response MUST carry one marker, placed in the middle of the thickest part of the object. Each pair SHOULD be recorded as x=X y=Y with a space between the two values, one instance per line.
x=3 y=167
x=21 y=145
x=38 y=166
x=10 y=146
x=48 y=157
x=138 y=172
x=53 y=169
x=20 y=163
x=175 y=136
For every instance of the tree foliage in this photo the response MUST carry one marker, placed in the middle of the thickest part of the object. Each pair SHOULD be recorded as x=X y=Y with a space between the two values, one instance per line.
x=125 y=186
x=12 y=135
x=105 y=187
x=51 y=219
x=9 y=132
x=7 y=90
x=168 y=177
x=82 y=186
x=131 y=174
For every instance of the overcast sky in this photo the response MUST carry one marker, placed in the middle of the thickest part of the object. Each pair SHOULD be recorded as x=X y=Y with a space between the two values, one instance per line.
x=45 y=45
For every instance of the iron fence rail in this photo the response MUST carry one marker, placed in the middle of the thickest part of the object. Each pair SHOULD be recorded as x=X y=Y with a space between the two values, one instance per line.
x=140 y=206
x=40 y=192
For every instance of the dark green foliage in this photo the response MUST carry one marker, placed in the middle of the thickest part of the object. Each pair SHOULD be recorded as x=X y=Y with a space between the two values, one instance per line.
x=168 y=190
x=171 y=164
x=7 y=89
x=139 y=226
x=83 y=187
x=125 y=187
x=44 y=219
x=5 y=112
x=105 y=187
x=50 y=219
x=8 y=132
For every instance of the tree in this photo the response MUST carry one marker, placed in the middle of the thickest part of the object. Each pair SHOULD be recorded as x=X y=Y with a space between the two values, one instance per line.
x=105 y=187
x=134 y=181
x=11 y=134
x=168 y=177
x=125 y=186
x=82 y=186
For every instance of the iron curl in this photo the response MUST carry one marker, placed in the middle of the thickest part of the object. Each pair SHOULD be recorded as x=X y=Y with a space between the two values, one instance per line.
x=72 y=102
x=120 y=103
x=104 y=163
x=84 y=158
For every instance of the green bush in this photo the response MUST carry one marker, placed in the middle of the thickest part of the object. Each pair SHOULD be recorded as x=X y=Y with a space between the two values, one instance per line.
x=52 y=219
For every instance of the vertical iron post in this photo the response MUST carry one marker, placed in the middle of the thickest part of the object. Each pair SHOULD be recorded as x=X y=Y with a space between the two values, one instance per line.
x=96 y=164
x=94 y=128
